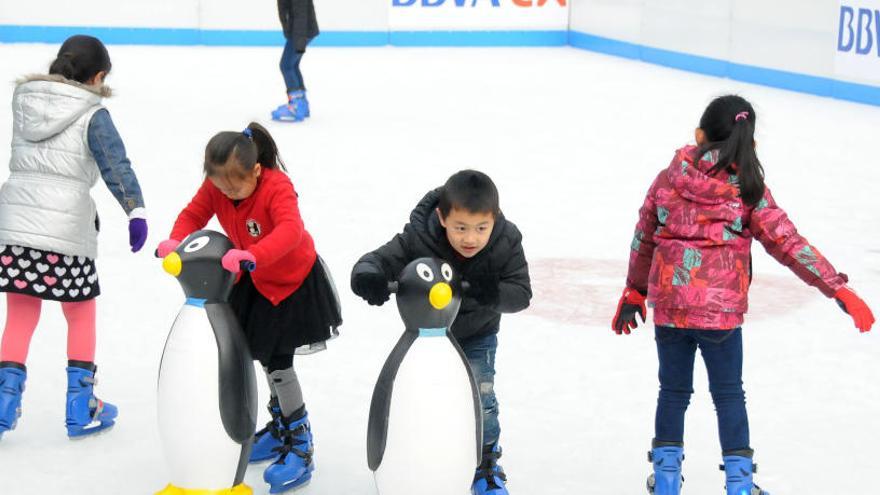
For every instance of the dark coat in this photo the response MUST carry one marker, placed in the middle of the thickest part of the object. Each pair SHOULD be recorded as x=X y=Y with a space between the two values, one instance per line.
x=298 y=21
x=423 y=236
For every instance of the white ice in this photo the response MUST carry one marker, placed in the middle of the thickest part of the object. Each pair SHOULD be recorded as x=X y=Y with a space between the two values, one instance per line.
x=573 y=140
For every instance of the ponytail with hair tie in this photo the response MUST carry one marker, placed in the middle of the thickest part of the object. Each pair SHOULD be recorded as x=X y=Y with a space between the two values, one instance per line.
x=729 y=125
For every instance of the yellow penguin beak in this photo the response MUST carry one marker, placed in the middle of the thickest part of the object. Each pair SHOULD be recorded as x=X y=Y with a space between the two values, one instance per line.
x=441 y=295
x=172 y=264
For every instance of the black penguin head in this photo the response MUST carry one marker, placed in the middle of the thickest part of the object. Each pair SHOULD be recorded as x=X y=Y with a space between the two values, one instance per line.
x=197 y=265
x=428 y=294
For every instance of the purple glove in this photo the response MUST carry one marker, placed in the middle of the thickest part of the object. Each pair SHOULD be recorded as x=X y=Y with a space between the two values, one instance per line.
x=234 y=258
x=137 y=233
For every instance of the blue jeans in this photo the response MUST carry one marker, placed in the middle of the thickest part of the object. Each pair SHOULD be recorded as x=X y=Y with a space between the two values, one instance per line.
x=480 y=352
x=290 y=60
x=723 y=354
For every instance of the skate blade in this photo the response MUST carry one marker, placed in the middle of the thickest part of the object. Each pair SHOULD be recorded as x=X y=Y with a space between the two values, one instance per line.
x=293 y=486
x=290 y=488
x=96 y=431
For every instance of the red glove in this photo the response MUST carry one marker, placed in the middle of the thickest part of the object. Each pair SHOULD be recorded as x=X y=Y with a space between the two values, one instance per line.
x=855 y=307
x=234 y=258
x=166 y=246
x=631 y=303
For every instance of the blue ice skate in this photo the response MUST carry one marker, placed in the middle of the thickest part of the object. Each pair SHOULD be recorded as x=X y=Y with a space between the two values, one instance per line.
x=666 y=479
x=12 y=378
x=296 y=109
x=267 y=442
x=490 y=478
x=738 y=470
x=294 y=466
x=86 y=414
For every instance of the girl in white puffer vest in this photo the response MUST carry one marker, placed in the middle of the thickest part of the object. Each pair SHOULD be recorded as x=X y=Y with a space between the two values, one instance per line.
x=62 y=141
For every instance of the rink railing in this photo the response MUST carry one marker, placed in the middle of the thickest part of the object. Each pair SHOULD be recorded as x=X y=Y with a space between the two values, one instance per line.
x=804 y=83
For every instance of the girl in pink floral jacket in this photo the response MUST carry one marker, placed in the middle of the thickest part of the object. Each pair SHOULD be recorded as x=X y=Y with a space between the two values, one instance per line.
x=691 y=259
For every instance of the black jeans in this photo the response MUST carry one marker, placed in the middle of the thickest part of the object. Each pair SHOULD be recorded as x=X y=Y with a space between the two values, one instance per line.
x=723 y=354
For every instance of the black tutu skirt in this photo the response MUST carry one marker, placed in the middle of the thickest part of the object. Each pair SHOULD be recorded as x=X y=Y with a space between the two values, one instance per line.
x=300 y=324
x=47 y=275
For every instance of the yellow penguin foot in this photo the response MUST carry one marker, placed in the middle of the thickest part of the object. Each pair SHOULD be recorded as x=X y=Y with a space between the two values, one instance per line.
x=241 y=489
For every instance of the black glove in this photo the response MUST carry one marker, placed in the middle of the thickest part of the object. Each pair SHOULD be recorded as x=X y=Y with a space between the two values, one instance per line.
x=373 y=287
x=484 y=287
x=301 y=44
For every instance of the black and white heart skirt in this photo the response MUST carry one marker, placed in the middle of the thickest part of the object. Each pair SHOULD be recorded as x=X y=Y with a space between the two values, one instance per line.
x=47 y=275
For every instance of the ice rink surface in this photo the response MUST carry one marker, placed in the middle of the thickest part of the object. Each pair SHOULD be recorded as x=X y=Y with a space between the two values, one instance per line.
x=573 y=139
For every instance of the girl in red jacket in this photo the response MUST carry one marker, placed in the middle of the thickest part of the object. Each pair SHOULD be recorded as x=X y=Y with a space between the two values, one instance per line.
x=288 y=304
x=691 y=257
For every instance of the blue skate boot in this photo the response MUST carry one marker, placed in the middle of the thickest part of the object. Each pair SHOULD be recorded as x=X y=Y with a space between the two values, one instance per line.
x=738 y=470
x=666 y=458
x=296 y=109
x=86 y=414
x=294 y=466
x=267 y=441
x=490 y=478
x=12 y=378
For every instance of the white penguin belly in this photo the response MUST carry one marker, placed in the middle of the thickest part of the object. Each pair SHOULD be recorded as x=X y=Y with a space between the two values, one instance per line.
x=199 y=452
x=431 y=445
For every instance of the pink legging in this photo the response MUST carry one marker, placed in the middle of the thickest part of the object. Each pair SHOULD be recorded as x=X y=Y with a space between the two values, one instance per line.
x=22 y=315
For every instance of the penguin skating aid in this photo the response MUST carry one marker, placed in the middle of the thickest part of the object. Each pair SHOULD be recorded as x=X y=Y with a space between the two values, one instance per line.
x=207 y=397
x=425 y=428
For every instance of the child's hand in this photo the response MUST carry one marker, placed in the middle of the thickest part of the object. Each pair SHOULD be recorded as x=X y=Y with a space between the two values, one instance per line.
x=484 y=288
x=631 y=303
x=373 y=287
x=165 y=247
x=137 y=233
x=856 y=308
x=233 y=259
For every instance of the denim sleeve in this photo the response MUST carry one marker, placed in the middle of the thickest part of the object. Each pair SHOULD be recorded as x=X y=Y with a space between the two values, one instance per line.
x=109 y=152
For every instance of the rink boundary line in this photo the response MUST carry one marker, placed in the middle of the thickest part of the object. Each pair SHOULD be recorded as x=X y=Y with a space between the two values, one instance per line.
x=804 y=83
x=793 y=81
x=211 y=37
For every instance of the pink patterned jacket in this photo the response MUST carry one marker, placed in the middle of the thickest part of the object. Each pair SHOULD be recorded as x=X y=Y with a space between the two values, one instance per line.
x=692 y=247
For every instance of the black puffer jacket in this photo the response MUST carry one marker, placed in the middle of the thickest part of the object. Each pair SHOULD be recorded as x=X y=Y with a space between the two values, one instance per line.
x=424 y=236
x=298 y=21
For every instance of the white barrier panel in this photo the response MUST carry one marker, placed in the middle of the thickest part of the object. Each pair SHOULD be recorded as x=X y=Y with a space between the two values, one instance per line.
x=615 y=19
x=103 y=13
x=857 y=55
x=338 y=15
x=698 y=27
x=478 y=15
x=789 y=35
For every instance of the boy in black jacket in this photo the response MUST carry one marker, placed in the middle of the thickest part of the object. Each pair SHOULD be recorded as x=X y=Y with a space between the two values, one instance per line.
x=462 y=223
x=300 y=26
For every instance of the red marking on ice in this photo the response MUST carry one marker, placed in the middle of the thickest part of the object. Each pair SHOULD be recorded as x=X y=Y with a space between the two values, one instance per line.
x=585 y=291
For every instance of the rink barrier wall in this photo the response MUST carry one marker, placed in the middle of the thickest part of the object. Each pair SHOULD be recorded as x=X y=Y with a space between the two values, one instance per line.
x=802 y=83
x=821 y=86
x=208 y=37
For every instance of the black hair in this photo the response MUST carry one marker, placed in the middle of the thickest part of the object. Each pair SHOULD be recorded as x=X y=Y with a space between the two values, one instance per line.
x=249 y=147
x=80 y=58
x=469 y=190
x=729 y=125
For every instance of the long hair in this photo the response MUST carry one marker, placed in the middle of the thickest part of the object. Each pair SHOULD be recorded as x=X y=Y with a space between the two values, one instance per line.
x=729 y=124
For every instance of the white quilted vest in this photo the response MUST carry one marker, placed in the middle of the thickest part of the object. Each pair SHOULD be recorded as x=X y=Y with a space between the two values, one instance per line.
x=45 y=203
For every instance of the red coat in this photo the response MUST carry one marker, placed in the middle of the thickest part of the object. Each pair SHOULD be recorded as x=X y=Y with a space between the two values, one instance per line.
x=692 y=247
x=267 y=224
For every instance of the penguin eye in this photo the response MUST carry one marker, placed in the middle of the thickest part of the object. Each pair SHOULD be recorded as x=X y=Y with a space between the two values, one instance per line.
x=446 y=271
x=196 y=244
x=425 y=272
